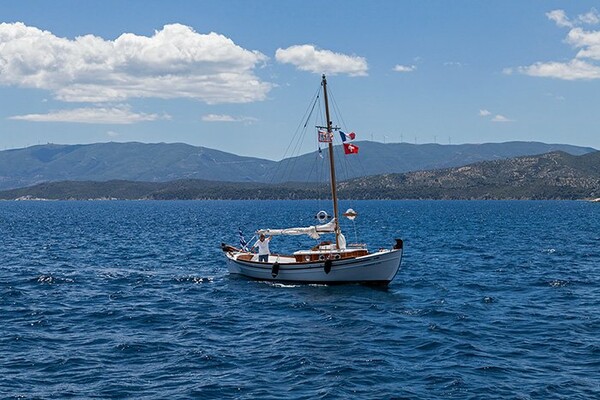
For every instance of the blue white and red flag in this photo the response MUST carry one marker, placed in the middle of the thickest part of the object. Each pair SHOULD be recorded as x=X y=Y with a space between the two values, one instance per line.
x=345 y=136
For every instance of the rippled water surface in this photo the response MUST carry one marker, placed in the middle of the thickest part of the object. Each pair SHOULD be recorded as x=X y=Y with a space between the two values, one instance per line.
x=133 y=300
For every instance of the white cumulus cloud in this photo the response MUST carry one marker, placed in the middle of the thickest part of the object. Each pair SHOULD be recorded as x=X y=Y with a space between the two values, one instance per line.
x=585 y=63
x=405 y=68
x=227 y=118
x=98 y=115
x=560 y=18
x=572 y=70
x=501 y=118
x=588 y=42
x=217 y=118
x=308 y=58
x=591 y=18
x=496 y=118
x=175 y=62
x=456 y=64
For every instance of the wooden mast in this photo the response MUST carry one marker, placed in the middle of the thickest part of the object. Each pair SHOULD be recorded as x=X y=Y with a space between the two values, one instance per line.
x=332 y=166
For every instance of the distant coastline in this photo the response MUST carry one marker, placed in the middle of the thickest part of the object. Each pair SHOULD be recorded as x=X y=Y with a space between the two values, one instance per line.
x=551 y=176
x=164 y=162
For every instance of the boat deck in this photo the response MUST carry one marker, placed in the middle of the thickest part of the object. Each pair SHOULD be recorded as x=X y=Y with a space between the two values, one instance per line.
x=307 y=256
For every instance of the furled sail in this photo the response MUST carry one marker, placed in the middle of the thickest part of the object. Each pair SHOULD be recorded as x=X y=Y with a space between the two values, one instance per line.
x=312 y=231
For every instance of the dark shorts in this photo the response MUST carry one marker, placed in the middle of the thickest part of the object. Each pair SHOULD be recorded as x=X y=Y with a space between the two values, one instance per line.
x=263 y=258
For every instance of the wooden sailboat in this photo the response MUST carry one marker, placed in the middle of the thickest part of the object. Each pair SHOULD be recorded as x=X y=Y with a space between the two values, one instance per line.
x=326 y=263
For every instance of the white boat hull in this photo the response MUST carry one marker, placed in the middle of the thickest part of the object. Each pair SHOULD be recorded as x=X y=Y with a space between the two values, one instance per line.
x=376 y=268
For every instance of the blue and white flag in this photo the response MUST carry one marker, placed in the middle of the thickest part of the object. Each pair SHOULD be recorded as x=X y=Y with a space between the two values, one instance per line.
x=243 y=242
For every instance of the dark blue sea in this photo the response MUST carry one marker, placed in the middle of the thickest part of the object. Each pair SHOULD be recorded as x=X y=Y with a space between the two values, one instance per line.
x=495 y=300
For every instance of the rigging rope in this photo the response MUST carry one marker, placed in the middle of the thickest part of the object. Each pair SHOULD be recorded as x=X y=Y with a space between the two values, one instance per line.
x=289 y=162
x=347 y=163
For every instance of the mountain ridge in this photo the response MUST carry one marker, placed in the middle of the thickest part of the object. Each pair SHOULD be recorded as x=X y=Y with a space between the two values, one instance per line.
x=162 y=162
x=556 y=175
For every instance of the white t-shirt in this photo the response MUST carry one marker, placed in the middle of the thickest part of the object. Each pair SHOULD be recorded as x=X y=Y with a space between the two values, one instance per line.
x=263 y=247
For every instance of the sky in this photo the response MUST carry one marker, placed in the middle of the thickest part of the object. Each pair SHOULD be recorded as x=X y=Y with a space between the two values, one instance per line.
x=238 y=76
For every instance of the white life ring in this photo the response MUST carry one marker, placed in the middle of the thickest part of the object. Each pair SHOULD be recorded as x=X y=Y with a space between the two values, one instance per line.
x=322 y=216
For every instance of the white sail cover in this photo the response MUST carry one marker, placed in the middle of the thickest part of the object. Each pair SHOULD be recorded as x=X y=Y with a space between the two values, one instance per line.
x=312 y=231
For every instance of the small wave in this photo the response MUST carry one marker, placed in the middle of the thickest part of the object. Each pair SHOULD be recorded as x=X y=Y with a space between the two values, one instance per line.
x=195 y=279
x=491 y=369
x=39 y=322
x=558 y=283
x=130 y=347
x=414 y=312
x=455 y=384
x=11 y=292
x=429 y=345
x=283 y=285
x=50 y=280
x=301 y=305
x=475 y=286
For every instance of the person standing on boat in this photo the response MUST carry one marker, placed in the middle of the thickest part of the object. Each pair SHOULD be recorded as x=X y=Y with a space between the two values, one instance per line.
x=263 y=248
